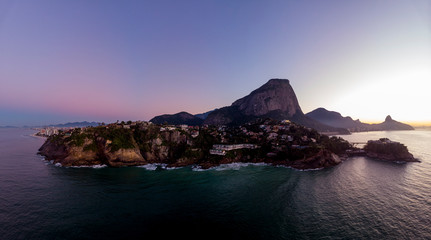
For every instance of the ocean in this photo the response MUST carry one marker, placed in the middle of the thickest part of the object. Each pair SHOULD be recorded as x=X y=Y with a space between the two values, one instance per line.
x=359 y=199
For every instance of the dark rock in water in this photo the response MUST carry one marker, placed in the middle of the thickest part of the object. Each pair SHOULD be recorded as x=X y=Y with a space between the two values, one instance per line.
x=335 y=119
x=386 y=149
x=275 y=99
x=322 y=159
x=177 y=119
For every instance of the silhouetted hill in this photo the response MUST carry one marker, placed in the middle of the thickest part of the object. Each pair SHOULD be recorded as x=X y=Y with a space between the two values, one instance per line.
x=275 y=99
x=177 y=119
x=75 y=124
x=390 y=124
x=335 y=119
x=204 y=115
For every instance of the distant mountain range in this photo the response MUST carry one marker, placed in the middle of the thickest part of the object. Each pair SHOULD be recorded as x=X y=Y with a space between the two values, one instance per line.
x=64 y=125
x=75 y=124
x=335 y=119
x=275 y=99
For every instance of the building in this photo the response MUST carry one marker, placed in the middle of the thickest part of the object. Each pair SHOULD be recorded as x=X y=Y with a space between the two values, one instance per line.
x=217 y=152
x=194 y=133
x=230 y=147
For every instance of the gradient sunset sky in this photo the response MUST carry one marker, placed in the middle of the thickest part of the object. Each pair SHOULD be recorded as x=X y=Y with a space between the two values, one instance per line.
x=63 y=61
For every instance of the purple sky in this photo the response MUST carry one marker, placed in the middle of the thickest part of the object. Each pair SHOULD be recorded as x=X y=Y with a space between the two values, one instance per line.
x=105 y=60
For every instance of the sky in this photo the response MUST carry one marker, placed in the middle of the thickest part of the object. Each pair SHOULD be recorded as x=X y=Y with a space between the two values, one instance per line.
x=65 y=61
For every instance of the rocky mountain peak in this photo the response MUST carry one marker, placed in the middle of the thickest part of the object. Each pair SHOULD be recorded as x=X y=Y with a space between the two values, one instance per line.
x=388 y=118
x=275 y=95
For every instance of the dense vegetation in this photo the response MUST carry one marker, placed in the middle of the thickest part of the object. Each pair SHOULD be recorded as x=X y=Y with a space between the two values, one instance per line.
x=275 y=141
x=385 y=146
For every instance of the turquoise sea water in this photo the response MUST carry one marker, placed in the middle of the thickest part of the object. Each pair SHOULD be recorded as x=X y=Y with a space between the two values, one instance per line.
x=358 y=199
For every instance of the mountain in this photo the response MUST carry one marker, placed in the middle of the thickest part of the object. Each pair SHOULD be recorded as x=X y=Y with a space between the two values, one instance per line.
x=75 y=124
x=177 y=119
x=335 y=119
x=275 y=99
x=390 y=124
x=204 y=115
x=275 y=96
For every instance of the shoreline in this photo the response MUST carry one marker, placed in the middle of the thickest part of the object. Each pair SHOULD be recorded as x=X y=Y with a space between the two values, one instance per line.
x=37 y=136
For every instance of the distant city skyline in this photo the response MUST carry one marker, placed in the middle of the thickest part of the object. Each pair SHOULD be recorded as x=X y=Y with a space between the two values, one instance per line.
x=68 y=61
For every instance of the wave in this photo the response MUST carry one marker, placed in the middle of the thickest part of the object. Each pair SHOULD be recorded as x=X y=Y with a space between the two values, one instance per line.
x=51 y=162
x=229 y=166
x=151 y=166
x=91 y=166
x=297 y=169
x=155 y=166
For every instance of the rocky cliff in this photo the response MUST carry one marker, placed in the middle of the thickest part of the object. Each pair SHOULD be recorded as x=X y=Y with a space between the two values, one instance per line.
x=275 y=95
x=92 y=152
x=114 y=146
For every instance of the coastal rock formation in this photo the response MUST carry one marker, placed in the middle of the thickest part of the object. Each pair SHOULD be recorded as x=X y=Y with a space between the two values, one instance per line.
x=386 y=149
x=335 y=119
x=116 y=145
x=322 y=159
x=69 y=154
x=177 y=119
x=132 y=144
x=124 y=157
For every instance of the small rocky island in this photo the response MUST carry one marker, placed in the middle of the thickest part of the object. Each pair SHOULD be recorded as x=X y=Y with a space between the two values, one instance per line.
x=139 y=143
x=388 y=150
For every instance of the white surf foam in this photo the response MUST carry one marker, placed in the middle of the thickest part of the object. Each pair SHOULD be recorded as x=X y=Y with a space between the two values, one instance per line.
x=155 y=166
x=229 y=166
x=91 y=166
x=237 y=166
x=198 y=168
x=150 y=167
